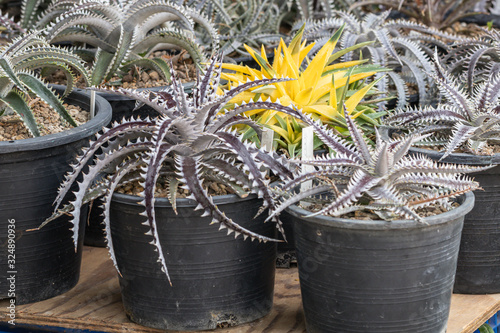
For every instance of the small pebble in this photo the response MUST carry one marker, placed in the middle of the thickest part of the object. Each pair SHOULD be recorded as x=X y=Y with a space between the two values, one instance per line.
x=154 y=76
x=214 y=187
x=127 y=78
x=49 y=121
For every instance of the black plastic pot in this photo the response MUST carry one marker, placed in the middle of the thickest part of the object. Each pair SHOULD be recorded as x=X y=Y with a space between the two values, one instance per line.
x=478 y=270
x=123 y=107
x=483 y=19
x=31 y=171
x=216 y=280
x=412 y=101
x=250 y=62
x=286 y=256
x=94 y=229
x=286 y=250
x=377 y=276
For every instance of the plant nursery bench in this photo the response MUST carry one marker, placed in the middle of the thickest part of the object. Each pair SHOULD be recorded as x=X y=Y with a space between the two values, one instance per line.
x=95 y=305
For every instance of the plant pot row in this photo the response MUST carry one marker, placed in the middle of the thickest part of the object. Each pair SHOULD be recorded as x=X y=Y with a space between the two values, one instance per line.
x=478 y=268
x=355 y=276
x=234 y=280
x=31 y=171
x=387 y=276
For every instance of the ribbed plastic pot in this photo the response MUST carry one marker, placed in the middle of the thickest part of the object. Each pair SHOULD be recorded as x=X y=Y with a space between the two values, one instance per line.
x=250 y=62
x=123 y=107
x=216 y=280
x=483 y=20
x=31 y=171
x=412 y=101
x=478 y=268
x=286 y=250
x=377 y=276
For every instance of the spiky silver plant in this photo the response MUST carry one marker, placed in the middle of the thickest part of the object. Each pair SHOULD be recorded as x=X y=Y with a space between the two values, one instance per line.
x=191 y=141
x=475 y=59
x=9 y=28
x=19 y=82
x=31 y=10
x=251 y=22
x=465 y=120
x=320 y=9
x=126 y=34
x=438 y=14
x=407 y=53
x=35 y=15
x=383 y=179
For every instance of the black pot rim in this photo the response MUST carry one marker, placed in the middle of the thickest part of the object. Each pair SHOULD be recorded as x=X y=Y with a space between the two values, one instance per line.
x=181 y=202
x=102 y=117
x=115 y=97
x=474 y=159
x=385 y=133
x=465 y=207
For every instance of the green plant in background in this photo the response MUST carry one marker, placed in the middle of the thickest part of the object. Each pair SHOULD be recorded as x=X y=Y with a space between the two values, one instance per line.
x=464 y=120
x=126 y=34
x=406 y=53
x=190 y=142
x=485 y=328
x=383 y=179
x=19 y=82
x=438 y=14
x=318 y=88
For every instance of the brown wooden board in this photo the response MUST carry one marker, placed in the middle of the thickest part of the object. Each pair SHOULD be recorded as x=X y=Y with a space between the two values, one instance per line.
x=95 y=304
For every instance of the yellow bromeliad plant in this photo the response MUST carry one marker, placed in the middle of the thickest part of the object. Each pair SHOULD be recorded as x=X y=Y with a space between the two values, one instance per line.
x=319 y=90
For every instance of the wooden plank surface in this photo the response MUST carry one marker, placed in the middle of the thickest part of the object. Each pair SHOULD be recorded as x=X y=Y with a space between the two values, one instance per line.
x=95 y=304
x=469 y=312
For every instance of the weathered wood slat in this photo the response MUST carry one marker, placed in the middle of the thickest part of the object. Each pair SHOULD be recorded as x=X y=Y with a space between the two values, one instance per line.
x=95 y=304
x=469 y=312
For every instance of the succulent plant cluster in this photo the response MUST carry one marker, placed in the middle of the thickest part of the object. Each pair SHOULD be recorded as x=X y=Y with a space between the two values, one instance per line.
x=437 y=14
x=252 y=22
x=383 y=179
x=318 y=88
x=406 y=53
x=9 y=27
x=190 y=142
x=464 y=120
x=20 y=82
x=333 y=74
x=475 y=59
x=126 y=34
x=317 y=9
